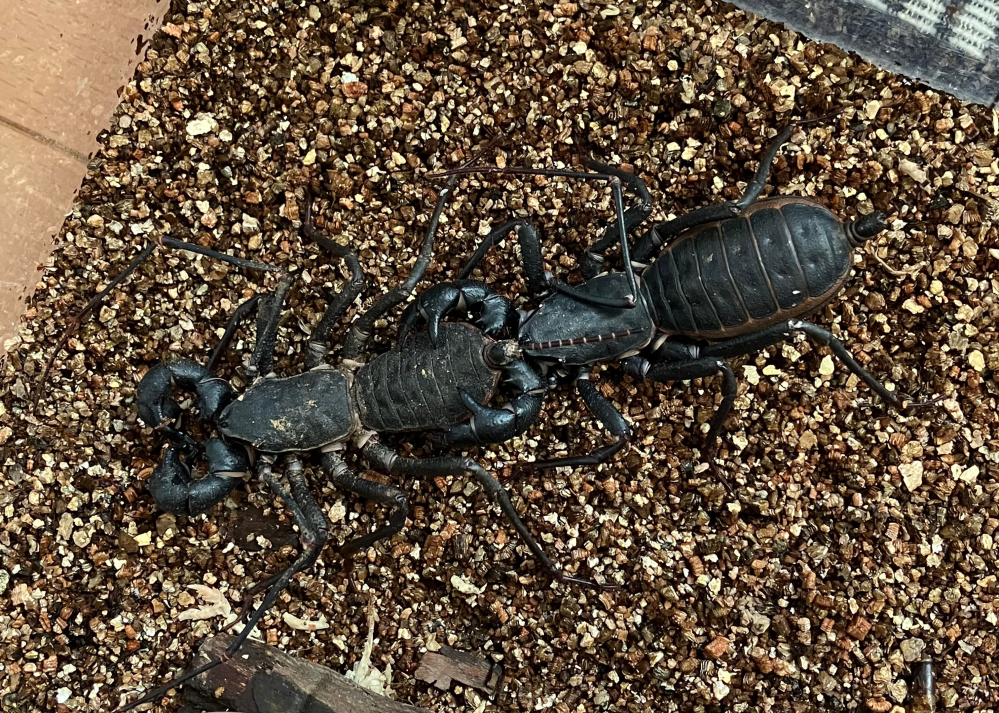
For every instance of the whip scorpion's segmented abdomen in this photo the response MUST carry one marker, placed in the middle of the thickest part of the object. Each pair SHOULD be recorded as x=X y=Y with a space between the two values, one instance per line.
x=416 y=386
x=784 y=258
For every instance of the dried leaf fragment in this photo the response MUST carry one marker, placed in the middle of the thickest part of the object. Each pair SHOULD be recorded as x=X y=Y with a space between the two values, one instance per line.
x=449 y=665
x=303 y=624
x=912 y=170
x=364 y=674
x=464 y=586
x=216 y=604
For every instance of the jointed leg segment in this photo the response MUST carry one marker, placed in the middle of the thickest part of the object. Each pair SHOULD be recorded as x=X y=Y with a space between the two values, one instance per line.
x=341 y=476
x=659 y=234
x=312 y=534
x=593 y=260
x=621 y=224
x=538 y=281
x=317 y=348
x=608 y=415
x=393 y=463
x=780 y=332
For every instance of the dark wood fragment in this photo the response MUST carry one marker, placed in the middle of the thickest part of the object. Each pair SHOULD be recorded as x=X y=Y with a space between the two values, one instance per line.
x=262 y=679
x=440 y=668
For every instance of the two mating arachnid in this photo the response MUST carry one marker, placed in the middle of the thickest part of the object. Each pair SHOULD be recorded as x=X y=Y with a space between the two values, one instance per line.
x=722 y=281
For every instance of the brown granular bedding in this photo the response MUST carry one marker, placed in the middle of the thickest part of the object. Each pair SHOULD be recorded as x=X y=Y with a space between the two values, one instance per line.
x=861 y=539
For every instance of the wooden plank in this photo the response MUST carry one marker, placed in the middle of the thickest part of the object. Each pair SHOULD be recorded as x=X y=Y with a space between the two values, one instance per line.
x=262 y=679
x=447 y=665
x=37 y=183
x=62 y=63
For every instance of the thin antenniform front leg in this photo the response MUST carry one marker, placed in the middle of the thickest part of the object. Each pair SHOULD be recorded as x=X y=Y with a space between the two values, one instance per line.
x=75 y=322
x=593 y=260
x=145 y=254
x=622 y=230
x=222 y=257
x=627 y=302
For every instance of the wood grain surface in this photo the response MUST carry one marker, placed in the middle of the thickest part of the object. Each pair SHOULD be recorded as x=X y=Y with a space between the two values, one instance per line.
x=62 y=63
x=262 y=679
